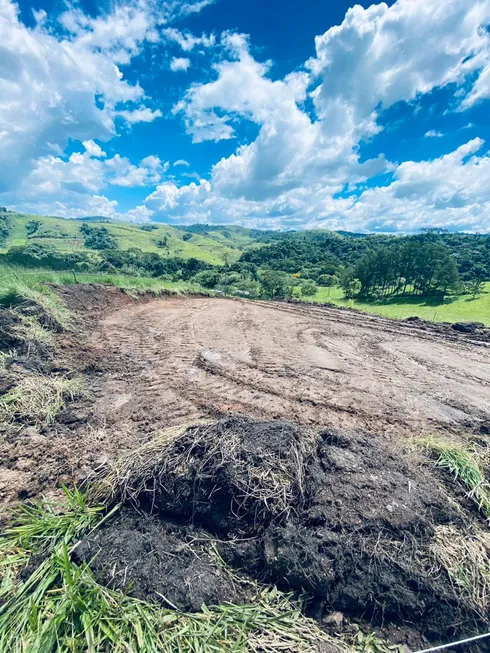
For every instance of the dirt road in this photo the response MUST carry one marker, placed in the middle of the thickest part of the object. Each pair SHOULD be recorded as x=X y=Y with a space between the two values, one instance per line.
x=179 y=359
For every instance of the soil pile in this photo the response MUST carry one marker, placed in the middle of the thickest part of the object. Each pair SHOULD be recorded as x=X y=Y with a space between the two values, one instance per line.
x=344 y=518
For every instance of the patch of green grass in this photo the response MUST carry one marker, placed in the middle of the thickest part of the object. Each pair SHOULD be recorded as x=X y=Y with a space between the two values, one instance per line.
x=466 y=467
x=60 y=607
x=15 y=289
x=454 y=309
x=38 y=399
x=38 y=278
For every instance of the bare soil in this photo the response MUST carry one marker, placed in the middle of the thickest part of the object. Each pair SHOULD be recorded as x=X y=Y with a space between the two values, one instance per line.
x=180 y=359
x=153 y=363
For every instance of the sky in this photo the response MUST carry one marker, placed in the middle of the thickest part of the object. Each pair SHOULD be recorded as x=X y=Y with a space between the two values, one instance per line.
x=291 y=114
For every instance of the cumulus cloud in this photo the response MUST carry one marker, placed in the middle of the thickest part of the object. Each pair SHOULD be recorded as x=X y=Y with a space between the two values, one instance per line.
x=93 y=149
x=179 y=63
x=61 y=79
x=303 y=157
x=59 y=186
x=451 y=191
x=143 y=114
x=181 y=162
x=302 y=168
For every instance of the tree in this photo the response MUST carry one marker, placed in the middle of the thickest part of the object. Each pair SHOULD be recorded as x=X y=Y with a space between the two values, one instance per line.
x=308 y=288
x=32 y=227
x=98 y=237
x=475 y=287
x=446 y=277
x=276 y=284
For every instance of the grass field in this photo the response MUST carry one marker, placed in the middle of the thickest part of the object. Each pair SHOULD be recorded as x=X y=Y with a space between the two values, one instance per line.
x=67 y=238
x=457 y=309
x=35 y=278
x=453 y=309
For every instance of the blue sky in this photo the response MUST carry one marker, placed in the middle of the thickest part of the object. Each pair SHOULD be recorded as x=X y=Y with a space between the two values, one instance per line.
x=286 y=115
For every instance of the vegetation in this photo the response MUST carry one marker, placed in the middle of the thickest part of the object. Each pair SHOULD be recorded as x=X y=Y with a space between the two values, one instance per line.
x=466 y=558
x=457 y=308
x=418 y=267
x=65 y=236
x=435 y=274
x=466 y=467
x=59 y=607
x=38 y=399
x=15 y=290
x=97 y=237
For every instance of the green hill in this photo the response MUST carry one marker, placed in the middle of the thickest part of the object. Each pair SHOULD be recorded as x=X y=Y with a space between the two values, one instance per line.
x=64 y=235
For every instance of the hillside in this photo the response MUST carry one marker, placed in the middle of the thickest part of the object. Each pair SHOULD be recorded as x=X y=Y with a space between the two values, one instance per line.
x=64 y=235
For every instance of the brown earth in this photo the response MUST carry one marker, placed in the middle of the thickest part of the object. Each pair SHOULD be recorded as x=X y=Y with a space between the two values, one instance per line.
x=180 y=359
x=155 y=363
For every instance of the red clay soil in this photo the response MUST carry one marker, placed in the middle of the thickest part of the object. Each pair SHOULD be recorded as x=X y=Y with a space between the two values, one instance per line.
x=168 y=361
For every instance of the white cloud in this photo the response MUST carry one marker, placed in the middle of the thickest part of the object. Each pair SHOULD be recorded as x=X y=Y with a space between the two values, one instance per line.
x=93 y=149
x=182 y=162
x=65 y=187
x=451 y=191
x=142 y=114
x=433 y=133
x=179 y=63
x=61 y=79
x=188 y=41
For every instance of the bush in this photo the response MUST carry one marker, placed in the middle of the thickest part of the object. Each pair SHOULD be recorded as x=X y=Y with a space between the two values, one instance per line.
x=308 y=288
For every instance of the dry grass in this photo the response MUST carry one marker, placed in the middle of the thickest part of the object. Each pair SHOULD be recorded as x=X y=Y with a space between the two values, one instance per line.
x=466 y=558
x=266 y=485
x=30 y=330
x=38 y=399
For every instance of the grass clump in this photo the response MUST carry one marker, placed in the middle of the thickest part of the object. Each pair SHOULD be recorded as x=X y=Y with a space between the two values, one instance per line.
x=466 y=467
x=38 y=399
x=466 y=558
x=16 y=291
x=59 y=606
x=31 y=330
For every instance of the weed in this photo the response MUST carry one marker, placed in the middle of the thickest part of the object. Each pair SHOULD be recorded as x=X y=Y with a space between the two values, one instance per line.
x=61 y=608
x=5 y=358
x=38 y=399
x=371 y=643
x=465 y=466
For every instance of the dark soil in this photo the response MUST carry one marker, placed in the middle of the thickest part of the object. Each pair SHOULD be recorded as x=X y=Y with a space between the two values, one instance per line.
x=357 y=538
x=159 y=560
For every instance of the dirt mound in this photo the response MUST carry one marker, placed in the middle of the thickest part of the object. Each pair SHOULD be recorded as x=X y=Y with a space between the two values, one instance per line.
x=161 y=561
x=353 y=525
x=233 y=476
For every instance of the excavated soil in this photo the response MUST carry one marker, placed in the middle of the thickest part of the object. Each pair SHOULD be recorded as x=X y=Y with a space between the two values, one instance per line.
x=354 y=530
x=320 y=401
x=179 y=359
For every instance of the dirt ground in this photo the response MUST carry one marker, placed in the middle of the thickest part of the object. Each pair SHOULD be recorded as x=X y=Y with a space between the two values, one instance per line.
x=154 y=363
x=180 y=359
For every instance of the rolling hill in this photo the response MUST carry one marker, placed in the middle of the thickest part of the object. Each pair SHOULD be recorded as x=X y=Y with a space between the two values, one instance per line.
x=64 y=235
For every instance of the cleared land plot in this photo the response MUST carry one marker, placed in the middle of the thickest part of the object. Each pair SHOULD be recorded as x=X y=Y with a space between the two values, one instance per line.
x=180 y=359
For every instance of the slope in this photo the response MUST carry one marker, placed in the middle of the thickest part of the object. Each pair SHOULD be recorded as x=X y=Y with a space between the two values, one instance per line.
x=64 y=235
